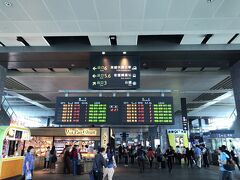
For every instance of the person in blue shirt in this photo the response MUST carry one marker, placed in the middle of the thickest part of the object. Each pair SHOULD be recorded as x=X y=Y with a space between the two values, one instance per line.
x=223 y=157
x=111 y=164
x=28 y=165
x=198 y=156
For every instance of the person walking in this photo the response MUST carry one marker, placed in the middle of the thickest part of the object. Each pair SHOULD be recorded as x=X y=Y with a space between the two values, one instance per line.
x=120 y=152
x=150 y=156
x=159 y=156
x=179 y=154
x=98 y=163
x=234 y=155
x=141 y=154
x=52 y=159
x=170 y=156
x=190 y=157
x=66 y=161
x=46 y=159
x=74 y=158
x=28 y=164
x=132 y=154
x=125 y=155
x=223 y=158
x=111 y=164
x=205 y=154
x=198 y=156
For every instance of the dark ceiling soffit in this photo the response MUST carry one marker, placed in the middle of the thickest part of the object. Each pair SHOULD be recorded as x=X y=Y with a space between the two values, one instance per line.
x=147 y=48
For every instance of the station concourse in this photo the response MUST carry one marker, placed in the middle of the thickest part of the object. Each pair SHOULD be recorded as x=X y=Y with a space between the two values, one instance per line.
x=154 y=83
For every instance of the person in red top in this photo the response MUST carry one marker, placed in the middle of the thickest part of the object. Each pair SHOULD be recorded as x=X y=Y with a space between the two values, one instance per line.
x=150 y=155
x=74 y=157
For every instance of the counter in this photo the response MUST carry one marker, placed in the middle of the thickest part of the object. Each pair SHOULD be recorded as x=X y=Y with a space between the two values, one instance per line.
x=11 y=167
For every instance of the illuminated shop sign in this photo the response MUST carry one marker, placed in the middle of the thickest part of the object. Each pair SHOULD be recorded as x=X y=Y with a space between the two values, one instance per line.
x=81 y=132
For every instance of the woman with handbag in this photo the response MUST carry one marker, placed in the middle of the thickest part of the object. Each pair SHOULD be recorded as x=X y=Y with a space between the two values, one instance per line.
x=28 y=164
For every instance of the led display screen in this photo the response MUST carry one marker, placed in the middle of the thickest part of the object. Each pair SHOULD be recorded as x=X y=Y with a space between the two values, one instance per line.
x=114 y=110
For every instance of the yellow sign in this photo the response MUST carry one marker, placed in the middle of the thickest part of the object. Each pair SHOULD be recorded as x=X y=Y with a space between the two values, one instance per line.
x=80 y=132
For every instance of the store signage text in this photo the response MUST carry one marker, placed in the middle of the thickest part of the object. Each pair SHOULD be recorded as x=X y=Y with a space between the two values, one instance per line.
x=80 y=132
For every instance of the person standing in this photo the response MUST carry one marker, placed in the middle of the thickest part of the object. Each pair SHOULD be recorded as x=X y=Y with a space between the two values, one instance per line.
x=66 y=161
x=28 y=164
x=141 y=154
x=125 y=155
x=205 y=154
x=184 y=154
x=234 y=155
x=179 y=154
x=120 y=152
x=198 y=156
x=170 y=156
x=98 y=164
x=52 y=159
x=159 y=156
x=74 y=158
x=111 y=164
x=150 y=156
x=46 y=159
x=132 y=154
x=190 y=157
x=223 y=158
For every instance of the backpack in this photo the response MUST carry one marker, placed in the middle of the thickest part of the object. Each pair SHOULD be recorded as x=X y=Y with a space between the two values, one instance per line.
x=230 y=165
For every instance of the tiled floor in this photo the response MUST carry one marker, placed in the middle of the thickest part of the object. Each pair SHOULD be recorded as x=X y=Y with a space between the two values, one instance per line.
x=132 y=173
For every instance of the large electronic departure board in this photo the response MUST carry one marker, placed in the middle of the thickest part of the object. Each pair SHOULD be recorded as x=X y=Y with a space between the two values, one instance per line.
x=114 y=110
x=114 y=72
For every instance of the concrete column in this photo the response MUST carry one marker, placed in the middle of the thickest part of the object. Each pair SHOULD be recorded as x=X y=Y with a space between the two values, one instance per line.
x=3 y=73
x=235 y=76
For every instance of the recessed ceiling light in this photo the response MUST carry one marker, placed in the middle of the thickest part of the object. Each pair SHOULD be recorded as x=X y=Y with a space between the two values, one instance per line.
x=124 y=52
x=103 y=53
x=210 y=1
x=72 y=65
x=8 y=4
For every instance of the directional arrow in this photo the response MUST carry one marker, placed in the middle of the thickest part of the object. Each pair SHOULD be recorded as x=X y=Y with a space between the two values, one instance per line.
x=94 y=83
x=94 y=68
x=94 y=76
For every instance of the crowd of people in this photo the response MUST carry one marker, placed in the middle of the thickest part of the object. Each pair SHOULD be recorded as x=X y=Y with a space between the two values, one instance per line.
x=106 y=160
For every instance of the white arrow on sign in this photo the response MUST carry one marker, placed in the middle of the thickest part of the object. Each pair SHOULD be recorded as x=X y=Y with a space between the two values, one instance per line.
x=94 y=76
x=94 y=68
x=94 y=83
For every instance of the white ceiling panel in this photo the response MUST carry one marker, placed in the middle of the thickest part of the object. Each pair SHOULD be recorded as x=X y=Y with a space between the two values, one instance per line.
x=174 y=25
x=36 y=9
x=131 y=25
x=193 y=69
x=47 y=26
x=42 y=70
x=108 y=9
x=204 y=25
x=99 y=40
x=89 y=26
x=36 y=41
x=110 y=26
x=27 y=26
x=220 y=38
x=61 y=70
x=203 y=9
x=25 y=70
x=14 y=12
x=192 y=39
x=127 y=40
x=181 y=9
x=229 y=9
x=235 y=25
x=156 y=9
x=211 y=69
x=10 y=41
x=60 y=9
x=174 y=69
x=8 y=27
x=236 y=40
x=133 y=9
x=153 y=25
x=68 y=26
x=84 y=9
x=3 y=17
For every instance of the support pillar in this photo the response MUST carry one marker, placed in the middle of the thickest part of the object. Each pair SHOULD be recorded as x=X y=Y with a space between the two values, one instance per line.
x=3 y=73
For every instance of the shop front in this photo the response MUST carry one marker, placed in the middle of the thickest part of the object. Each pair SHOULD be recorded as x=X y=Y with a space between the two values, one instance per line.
x=12 y=147
x=88 y=140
